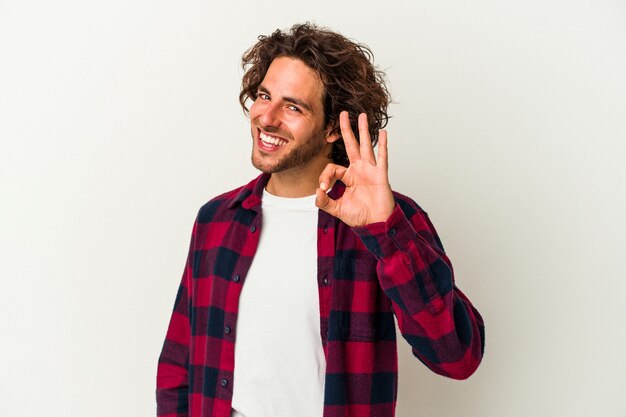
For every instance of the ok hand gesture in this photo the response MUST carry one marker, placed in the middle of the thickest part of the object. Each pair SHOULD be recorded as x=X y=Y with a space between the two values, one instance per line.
x=368 y=197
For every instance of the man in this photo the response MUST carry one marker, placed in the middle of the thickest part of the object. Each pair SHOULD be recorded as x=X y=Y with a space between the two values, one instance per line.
x=287 y=299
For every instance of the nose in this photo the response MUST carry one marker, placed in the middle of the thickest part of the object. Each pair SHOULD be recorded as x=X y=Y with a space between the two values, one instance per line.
x=270 y=116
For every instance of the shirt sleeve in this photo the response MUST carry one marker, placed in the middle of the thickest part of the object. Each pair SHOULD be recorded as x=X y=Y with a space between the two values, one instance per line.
x=173 y=367
x=444 y=329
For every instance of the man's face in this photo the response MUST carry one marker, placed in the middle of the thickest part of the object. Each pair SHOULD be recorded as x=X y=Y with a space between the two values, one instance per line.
x=287 y=118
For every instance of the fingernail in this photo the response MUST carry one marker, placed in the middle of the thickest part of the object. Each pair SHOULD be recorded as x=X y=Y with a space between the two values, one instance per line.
x=323 y=186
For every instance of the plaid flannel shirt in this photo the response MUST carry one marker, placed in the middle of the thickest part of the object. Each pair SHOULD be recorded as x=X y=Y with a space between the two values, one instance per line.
x=364 y=274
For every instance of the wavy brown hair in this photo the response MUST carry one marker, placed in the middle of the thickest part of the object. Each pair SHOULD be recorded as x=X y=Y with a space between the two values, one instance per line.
x=351 y=81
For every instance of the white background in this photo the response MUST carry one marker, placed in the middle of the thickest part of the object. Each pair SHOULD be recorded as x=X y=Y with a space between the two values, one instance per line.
x=119 y=118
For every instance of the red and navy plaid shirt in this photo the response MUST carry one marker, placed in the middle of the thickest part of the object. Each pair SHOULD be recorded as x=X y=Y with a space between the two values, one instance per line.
x=364 y=274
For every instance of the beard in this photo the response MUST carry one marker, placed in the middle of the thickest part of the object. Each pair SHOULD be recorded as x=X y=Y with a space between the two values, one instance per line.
x=298 y=156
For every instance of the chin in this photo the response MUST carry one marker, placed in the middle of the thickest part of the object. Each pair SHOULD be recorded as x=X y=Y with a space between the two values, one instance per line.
x=259 y=163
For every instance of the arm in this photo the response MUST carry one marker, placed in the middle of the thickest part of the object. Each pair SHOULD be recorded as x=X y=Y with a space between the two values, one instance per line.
x=172 y=374
x=439 y=322
x=445 y=331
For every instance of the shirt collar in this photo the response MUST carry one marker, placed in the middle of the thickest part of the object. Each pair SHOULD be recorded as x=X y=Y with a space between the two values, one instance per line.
x=250 y=195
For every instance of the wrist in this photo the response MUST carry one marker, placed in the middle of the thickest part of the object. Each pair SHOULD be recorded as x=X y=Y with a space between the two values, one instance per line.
x=383 y=211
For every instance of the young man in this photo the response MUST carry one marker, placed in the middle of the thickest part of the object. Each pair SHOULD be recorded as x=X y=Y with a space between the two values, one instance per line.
x=286 y=304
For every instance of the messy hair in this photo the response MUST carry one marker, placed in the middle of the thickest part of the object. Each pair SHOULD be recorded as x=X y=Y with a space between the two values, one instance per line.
x=351 y=81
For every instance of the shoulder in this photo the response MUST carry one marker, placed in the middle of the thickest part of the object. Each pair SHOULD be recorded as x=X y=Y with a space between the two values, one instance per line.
x=247 y=196
x=206 y=213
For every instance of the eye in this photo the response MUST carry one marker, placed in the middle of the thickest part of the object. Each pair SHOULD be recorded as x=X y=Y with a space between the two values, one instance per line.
x=263 y=96
x=294 y=108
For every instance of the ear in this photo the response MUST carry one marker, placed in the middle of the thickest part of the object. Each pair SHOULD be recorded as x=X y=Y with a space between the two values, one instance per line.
x=331 y=137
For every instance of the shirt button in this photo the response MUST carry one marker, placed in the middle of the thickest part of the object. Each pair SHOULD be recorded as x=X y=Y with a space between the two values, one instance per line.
x=325 y=281
x=253 y=229
x=224 y=382
x=325 y=229
x=392 y=232
x=236 y=278
x=227 y=329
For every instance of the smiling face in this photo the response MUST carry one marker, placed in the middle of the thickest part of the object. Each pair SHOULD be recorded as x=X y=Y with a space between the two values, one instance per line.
x=287 y=120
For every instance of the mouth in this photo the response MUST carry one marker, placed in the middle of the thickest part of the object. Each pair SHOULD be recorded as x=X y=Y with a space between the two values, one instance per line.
x=269 y=142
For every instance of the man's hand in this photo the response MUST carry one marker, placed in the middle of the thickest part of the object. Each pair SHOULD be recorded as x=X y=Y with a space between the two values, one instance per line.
x=368 y=197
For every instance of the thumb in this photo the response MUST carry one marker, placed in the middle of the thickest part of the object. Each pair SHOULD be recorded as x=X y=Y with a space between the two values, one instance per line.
x=324 y=202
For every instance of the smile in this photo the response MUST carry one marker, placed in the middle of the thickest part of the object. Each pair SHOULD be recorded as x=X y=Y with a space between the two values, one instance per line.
x=271 y=140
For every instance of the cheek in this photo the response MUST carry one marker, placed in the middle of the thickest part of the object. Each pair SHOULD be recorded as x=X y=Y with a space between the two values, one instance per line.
x=254 y=110
x=257 y=109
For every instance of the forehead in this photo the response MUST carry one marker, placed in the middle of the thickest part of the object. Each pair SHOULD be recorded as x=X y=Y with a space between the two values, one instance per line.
x=290 y=77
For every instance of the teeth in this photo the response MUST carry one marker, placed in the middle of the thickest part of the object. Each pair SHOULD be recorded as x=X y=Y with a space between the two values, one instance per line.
x=272 y=140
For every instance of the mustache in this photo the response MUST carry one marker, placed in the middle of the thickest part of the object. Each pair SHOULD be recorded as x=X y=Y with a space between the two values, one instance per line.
x=275 y=131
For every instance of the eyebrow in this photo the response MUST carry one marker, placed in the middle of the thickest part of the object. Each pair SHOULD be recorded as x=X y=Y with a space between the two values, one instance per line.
x=293 y=100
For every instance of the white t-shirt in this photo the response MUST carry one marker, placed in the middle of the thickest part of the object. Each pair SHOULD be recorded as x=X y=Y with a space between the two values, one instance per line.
x=279 y=359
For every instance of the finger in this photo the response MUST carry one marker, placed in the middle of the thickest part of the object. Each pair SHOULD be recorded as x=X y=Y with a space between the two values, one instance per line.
x=383 y=156
x=352 y=146
x=330 y=174
x=366 y=151
x=324 y=202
